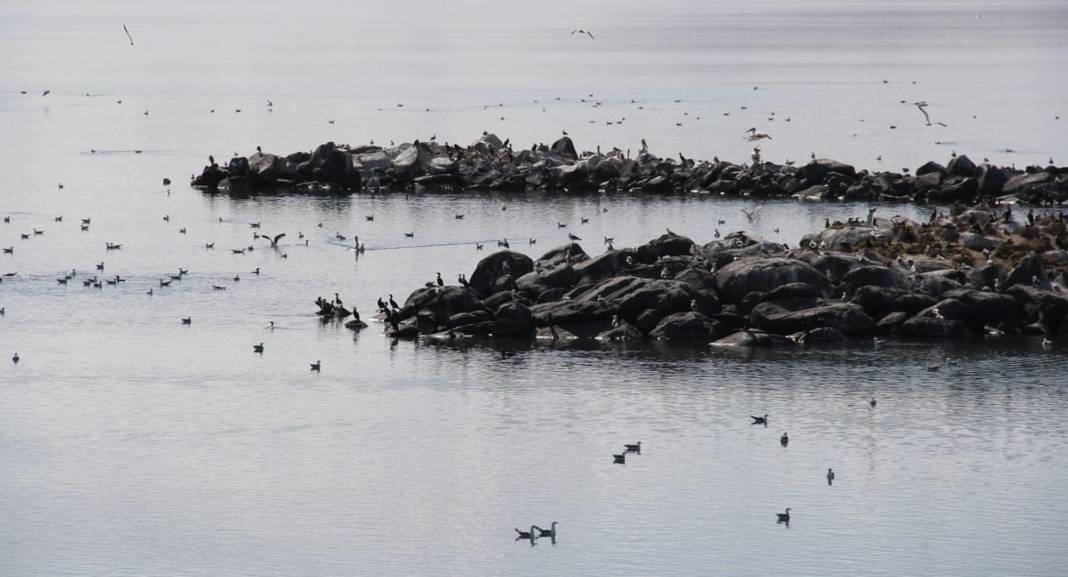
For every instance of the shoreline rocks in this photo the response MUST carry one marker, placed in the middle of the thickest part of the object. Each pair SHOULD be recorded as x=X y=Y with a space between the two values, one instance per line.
x=859 y=279
x=491 y=165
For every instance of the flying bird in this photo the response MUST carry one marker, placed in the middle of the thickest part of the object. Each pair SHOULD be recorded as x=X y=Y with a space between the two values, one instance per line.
x=922 y=105
x=586 y=32
x=273 y=241
x=755 y=134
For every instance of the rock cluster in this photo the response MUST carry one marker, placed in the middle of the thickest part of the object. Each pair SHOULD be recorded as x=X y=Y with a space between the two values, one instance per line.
x=970 y=272
x=489 y=164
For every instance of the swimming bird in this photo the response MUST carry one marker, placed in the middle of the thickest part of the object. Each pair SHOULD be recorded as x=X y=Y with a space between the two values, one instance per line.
x=369 y=217
x=526 y=534
x=830 y=475
x=258 y=348
x=187 y=321
x=316 y=366
x=550 y=532
x=478 y=246
x=784 y=440
x=503 y=243
x=15 y=358
x=458 y=216
x=209 y=245
x=100 y=265
x=409 y=234
x=755 y=134
x=9 y=250
x=620 y=459
x=45 y=93
x=760 y=420
x=635 y=448
x=872 y=402
x=784 y=517
x=128 y=34
x=218 y=288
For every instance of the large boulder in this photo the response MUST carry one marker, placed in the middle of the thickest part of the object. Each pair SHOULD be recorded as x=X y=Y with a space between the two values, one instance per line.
x=513 y=320
x=570 y=253
x=846 y=317
x=816 y=170
x=933 y=328
x=265 y=169
x=585 y=319
x=1026 y=271
x=686 y=326
x=329 y=164
x=961 y=166
x=603 y=265
x=744 y=276
x=874 y=276
x=669 y=244
x=496 y=266
x=564 y=147
x=439 y=304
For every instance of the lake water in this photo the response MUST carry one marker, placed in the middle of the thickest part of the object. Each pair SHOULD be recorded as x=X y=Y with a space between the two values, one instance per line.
x=134 y=445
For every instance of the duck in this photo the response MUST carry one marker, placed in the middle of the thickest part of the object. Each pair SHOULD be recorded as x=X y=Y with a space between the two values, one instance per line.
x=872 y=402
x=760 y=420
x=635 y=448
x=526 y=534
x=784 y=440
x=620 y=459
x=15 y=358
x=258 y=348
x=316 y=366
x=187 y=321
x=830 y=475
x=784 y=517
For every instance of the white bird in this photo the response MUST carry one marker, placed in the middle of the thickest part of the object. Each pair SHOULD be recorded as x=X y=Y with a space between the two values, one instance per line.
x=755 y=134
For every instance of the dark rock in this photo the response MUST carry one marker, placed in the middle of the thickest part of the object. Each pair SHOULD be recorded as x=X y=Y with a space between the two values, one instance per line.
x=513 y=320
x=741 y=277
x=564 y=147
x=440 y=303
x=848 y=318
x=961 y=166
x=666 y=245
x=933 y=328
x=686 y=326
x=490 y=269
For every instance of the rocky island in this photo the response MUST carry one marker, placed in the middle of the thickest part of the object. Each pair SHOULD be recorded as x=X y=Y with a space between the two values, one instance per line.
x=964 y=273
x=490 y=164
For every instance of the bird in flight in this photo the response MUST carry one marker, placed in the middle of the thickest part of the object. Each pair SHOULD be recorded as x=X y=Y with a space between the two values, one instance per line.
x=755 y=134
x=128 y=34
x=922 y=105
x=581 y=31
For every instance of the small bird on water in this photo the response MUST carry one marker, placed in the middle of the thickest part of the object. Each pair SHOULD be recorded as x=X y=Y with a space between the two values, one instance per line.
x=830 y=476
x=784 y=440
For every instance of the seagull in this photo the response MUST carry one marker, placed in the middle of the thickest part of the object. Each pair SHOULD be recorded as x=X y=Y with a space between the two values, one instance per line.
x=750 y=215
x=586 y=32
x=128 y=34
x=755 y=134
x=273 y=241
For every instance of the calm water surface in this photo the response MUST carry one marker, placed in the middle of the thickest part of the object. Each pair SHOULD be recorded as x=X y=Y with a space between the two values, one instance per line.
x=134 y=445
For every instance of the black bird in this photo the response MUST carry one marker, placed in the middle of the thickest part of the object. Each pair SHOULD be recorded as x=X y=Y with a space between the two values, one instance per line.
x=550 y=532
x=784 y=517
x=760 y=420
x=635 y=448
x=872 y=403
x=382 y=305
x=258 y=348
x=393 y=303
x=620 y=459
x=15 y=358
x=440 y=281
x=187 y=321
x=526 y=534
x=784 y=440
x=409 y=234
x=316 y=366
